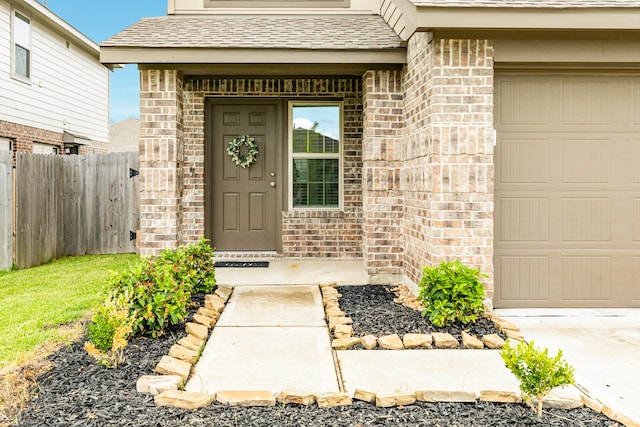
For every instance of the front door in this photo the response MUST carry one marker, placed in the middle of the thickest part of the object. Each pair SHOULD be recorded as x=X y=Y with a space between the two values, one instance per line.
x=242 y=215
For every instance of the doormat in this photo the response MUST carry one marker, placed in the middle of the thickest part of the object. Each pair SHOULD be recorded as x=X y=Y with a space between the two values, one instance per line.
x=242 y=264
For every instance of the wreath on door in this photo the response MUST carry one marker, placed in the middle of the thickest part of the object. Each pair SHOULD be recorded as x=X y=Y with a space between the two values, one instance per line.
x=234 y=149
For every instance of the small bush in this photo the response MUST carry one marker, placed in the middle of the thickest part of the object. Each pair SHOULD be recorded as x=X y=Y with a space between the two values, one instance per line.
x=161 y=287
x=451 y=292
x=109 y=330
x=537 y=372
x=192 y=264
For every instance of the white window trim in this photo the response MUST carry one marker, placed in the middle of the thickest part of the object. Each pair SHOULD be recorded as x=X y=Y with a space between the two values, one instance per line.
x=291 y=156
x=13 y=47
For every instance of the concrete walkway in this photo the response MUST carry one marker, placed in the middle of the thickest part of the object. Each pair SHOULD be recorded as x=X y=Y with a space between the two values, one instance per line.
x=268 y=339
x=274 y=338
x=603 y=345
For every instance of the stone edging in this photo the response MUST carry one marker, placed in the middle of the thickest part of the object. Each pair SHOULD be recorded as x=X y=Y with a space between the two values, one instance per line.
x=175 y=369
x=343 y=339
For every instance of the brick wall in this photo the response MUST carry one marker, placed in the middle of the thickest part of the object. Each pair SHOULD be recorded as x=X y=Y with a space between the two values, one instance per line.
x=381 y=155
x=447 y=174
x=304 y=233
x=161 y=160
x=24 y=136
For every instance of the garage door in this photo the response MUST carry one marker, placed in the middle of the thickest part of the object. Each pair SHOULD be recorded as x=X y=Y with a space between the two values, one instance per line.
x=567 y=191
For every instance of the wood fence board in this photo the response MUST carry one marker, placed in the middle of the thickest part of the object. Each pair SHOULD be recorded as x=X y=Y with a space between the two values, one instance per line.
x=6 y=210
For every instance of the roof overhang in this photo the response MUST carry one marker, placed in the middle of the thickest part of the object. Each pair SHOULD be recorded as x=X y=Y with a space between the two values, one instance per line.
x=471 y=20
x=69 y=139
x=255 y=61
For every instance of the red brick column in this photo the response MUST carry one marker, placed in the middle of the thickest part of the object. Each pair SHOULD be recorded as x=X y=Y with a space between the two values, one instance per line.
x=448 y=171
x=161 y=157
x=382 y=210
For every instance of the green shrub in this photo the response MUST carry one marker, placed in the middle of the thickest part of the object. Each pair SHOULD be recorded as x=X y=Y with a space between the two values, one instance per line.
x=161 y=287
x=109 y=330
x=101 y=330
x=193 y=264
x=451 y=292
x=537 y=372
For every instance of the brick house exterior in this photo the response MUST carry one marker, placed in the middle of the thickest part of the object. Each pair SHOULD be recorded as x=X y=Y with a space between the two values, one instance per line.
x=418 y=92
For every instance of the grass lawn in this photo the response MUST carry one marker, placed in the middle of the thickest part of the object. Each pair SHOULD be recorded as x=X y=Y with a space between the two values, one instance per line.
x=34 y=302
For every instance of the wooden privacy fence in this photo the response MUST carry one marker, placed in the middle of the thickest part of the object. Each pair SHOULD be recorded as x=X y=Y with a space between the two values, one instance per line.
x=70 y=205
x=6 y=209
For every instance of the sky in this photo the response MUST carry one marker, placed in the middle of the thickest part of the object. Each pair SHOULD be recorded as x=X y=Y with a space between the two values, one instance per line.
x=99 y=20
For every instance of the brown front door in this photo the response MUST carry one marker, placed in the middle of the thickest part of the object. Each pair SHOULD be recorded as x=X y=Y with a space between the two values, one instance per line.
x=242 y=214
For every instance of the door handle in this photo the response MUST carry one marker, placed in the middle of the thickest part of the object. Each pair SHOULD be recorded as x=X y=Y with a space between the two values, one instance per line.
x=272 y=174
x=272 y=184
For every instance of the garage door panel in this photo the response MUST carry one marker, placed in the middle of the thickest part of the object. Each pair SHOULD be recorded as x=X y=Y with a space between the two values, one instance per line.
x=636 y=161
x=568 y=192
x=636 y=220
x=529 y=99
x=586 y=219
x=524 y=161
x=586 y=161
x=636 y=278
x=586 y=102
x=525 y=278
x=586 y=278
x=524 y=219
x=635 y=102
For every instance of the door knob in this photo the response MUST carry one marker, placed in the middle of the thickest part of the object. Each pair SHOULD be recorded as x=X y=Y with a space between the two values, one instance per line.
x=272 y=174
x=272 y=184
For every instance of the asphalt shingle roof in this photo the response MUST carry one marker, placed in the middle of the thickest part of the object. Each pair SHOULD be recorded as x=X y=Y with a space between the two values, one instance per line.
x=335 y=32
x=537 y=4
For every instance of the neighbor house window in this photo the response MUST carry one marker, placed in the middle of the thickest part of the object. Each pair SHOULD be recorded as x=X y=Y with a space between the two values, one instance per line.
x=316 y=155
x=42 y=148
x=21 y=46
x=6 y=144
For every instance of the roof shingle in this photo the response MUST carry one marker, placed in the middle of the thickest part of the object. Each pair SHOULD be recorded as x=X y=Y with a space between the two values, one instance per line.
x=536 y=4
x=334 y=32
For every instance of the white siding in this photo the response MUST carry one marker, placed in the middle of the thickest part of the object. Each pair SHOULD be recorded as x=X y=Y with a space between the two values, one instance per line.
x=5 y=41
x=69 y=88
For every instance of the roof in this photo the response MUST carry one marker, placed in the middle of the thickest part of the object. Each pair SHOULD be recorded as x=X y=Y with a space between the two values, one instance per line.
x=331 y=32
x=534 y=4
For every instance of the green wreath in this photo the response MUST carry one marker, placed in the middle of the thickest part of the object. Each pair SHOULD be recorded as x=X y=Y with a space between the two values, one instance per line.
x=243 y=160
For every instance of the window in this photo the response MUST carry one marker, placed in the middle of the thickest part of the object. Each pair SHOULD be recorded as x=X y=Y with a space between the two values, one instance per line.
x=315 y=147
x=5 y=144
x=42 y=148
x=21 y=46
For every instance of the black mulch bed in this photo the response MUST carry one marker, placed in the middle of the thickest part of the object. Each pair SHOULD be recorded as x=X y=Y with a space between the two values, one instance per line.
x=374 y=312
x=78 y=392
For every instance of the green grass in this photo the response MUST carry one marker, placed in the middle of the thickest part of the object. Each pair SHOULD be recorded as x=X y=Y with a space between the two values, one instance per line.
x=34 y=302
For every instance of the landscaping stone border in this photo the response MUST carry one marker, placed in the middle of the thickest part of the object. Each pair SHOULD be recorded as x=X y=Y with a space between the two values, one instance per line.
x=342 y=331
x=176 y=367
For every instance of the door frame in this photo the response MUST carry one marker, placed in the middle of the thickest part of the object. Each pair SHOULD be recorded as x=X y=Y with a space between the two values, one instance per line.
x=281 y=178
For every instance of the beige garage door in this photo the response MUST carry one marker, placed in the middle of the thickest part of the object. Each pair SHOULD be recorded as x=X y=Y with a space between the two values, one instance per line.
x=567 y=191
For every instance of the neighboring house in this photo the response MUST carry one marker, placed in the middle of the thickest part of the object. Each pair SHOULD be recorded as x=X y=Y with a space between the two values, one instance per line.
x=124 y=135
x=502 y=133
x=54 y=92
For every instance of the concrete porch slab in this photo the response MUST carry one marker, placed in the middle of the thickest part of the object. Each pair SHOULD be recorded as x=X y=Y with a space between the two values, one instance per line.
x=265 y=358
x=386 y=372
x=288 y=271
x=274 y=306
